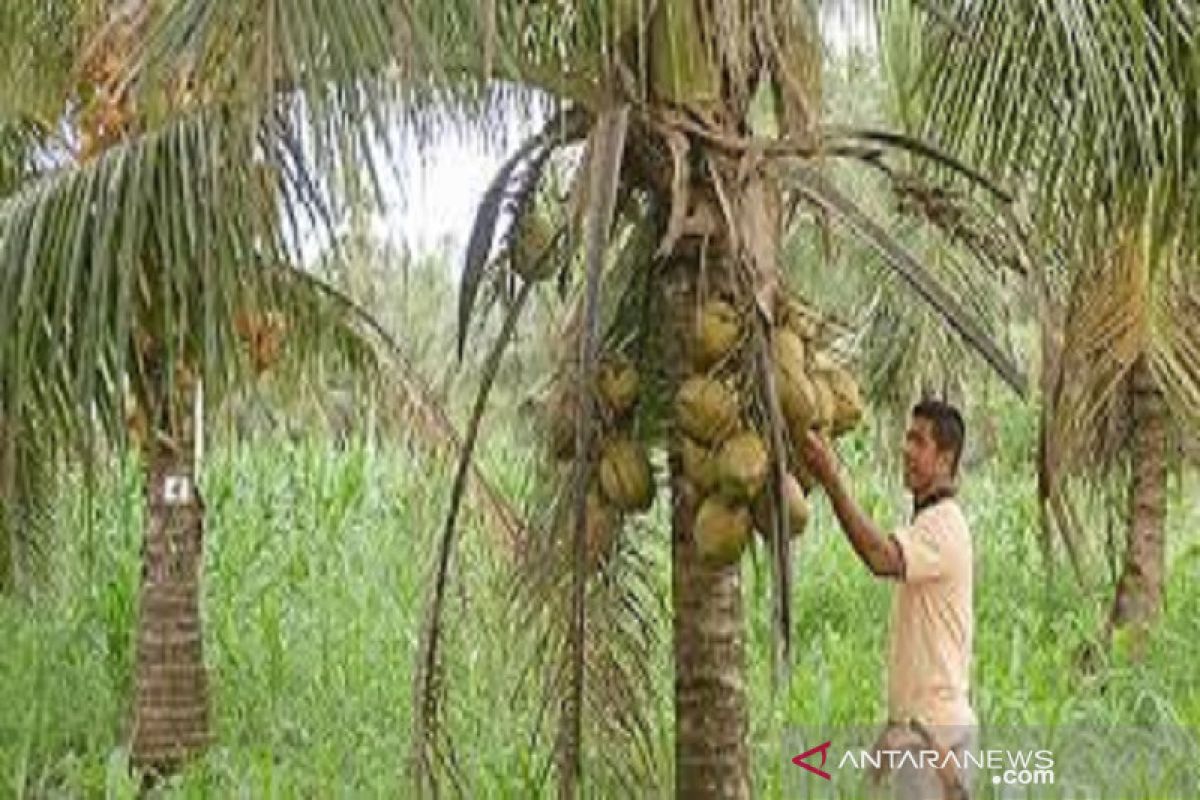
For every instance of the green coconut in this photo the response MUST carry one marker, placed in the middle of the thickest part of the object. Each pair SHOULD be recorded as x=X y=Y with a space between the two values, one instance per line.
x=699 y=465
x=617 y=381
x=715 y=334
x=798 y=510
x=721 y=531
x=529 y=256
x=742 y=466
x=707 y=410
x=847 y=400
x=823 y=407
x=625 y=476
x=798 y=318
x=796 y=394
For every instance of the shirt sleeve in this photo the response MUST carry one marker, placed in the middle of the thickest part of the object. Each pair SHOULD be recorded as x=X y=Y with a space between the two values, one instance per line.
x=923 y=548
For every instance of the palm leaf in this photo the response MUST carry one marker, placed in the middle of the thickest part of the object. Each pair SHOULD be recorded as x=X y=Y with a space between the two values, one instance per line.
x=895 y=255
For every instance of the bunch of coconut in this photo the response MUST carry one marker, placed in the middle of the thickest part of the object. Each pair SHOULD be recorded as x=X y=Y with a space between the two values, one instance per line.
x=623 y=482
x=815 y=391
x=723 y=456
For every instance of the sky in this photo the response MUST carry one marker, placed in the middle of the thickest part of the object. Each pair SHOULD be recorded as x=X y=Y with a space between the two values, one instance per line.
x=436 y=206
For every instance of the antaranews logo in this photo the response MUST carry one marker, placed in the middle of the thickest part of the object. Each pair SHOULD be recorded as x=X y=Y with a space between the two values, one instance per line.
x=823 y=749
x=1077 y=762
x=1008 y=767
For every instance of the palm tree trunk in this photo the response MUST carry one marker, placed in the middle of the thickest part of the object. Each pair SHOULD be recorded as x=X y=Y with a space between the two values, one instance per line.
x=1140 y=588
x=171 y=721
x=711 y=714
x=711 y=719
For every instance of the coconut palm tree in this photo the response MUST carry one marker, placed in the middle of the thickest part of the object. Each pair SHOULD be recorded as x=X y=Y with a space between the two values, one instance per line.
x=686 y=132
x=1094 y=111
x=149 y=253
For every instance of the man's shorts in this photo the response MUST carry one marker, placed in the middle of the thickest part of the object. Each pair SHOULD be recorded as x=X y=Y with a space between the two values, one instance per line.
x=937 y=769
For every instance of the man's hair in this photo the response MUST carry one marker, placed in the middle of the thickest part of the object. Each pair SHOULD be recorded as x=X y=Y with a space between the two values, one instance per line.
x=949 y=430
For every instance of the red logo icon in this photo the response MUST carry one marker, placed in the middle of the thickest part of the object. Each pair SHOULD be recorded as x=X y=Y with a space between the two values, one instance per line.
x=823 y=749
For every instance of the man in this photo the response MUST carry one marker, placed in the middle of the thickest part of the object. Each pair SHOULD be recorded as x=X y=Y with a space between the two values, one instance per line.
x=929 y=657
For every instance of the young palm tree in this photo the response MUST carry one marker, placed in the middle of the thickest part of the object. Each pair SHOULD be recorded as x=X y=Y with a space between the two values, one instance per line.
x=1108 y=102
x=149 y=267
x=700 y=125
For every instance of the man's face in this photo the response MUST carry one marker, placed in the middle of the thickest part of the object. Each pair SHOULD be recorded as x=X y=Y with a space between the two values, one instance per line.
x=925 y=466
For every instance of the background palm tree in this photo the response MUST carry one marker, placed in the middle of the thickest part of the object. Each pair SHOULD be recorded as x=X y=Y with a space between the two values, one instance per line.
x=1093 y=113
x=149 y=246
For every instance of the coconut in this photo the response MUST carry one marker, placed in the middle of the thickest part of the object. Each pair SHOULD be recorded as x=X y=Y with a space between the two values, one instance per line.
x=625 y=475
x=742 y=466
x=796 y=395
x=721 y=531
x=797 y=399
x=823 y=414
x=617 y=381
x=797 y=317
x=797 y=507
x=529 y=256
x=716 y=333
x=699 y=465
x=707 y=410
x=788 y=348
x=822 y=363
x=847 y=400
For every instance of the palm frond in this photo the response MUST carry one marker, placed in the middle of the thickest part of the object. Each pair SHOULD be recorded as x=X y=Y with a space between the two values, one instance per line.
x=822 y=192
x=509 y=192
x=1077 y=101
x=429 y=741
x=607 y=146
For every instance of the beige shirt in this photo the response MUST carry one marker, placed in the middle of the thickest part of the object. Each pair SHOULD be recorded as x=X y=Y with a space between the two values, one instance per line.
x=929 y=649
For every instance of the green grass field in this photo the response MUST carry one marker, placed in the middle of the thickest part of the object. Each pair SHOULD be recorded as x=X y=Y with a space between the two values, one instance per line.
x=316 y=562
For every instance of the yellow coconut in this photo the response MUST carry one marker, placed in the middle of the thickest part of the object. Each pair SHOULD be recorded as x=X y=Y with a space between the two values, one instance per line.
x=797 y=507
x=707 y=410
x=847 y=400
x=715 y=334
x=699 y=465
x=788 y=348
x=618 y=382
x=821 y=363
x=792 y=384
x=721 y=531
x=797 y=317
x=530 y=257
x=742 y=466
x=625 y=475
x=823 y=407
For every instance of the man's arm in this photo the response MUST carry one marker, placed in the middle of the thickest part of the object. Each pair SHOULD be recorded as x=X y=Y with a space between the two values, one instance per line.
x=880 y=553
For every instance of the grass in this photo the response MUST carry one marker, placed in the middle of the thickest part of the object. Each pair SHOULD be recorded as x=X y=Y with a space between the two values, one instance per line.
x=316 y=561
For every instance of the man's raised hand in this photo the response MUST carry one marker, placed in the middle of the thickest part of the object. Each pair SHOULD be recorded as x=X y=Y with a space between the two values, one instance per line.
x=819 y=458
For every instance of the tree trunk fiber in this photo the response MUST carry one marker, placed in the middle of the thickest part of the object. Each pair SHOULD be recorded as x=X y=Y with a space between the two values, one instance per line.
x=712 y=758
x=1140 y=588
x=171 y=722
